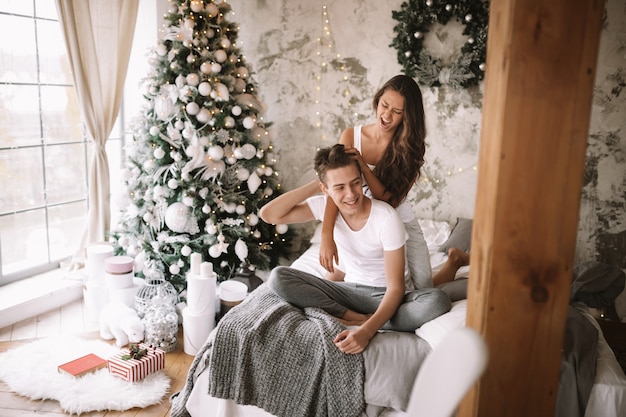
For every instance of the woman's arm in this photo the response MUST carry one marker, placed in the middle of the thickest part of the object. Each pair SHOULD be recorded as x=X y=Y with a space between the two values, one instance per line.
x=378 y=189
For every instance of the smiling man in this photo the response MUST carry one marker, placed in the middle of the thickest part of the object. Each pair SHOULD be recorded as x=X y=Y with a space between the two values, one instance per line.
x=370 y=294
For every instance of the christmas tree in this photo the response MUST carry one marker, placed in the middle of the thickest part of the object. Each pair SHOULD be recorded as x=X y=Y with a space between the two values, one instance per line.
x=200 y=164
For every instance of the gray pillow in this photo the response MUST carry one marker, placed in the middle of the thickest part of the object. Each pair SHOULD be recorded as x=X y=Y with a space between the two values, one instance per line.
x=460 y=237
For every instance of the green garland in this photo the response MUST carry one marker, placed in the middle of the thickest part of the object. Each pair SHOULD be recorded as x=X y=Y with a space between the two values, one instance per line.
x=416 y=18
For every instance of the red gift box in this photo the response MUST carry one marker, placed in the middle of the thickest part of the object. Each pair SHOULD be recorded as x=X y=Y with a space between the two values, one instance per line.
x=133 y=370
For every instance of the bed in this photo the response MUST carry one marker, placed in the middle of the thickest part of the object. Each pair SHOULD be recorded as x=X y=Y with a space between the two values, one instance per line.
x=253 y=372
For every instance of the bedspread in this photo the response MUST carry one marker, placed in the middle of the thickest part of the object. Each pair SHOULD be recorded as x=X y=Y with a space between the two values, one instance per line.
x=268 y=353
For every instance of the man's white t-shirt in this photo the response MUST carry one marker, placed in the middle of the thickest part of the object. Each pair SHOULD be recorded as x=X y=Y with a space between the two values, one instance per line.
x=362 y=251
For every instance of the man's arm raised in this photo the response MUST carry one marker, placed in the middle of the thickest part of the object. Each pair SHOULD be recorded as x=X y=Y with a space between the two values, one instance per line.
x=290 y=207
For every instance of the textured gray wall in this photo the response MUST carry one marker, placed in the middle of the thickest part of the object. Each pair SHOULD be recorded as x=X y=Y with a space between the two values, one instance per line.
x=313 y=89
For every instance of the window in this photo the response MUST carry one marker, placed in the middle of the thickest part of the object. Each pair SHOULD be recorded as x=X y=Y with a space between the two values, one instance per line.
x=44 y=152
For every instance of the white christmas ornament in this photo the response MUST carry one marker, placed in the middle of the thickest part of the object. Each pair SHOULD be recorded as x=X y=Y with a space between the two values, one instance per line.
x=154 y=131
x=204 y=88
x=241 y=209
x=205 y=67
x=249 y=151
x=216 y=152
x=236 y=110
x=206 y=209
x=185 y=250
x=281 y=228
x=215 y=68
x=176 y=217
x=192 y=108
x=188 y=201
x=241 y=250
x=212 y=9
x=254 y=182
x=220 y=55
x=243 y=174
x=158 y=153
x=242 y=72
x=248 y=122
x=229 y=122
x=238 y=153
x=173 y=184
x=225 y=42
x=196 y=6
x=174 y=269
x=204 y=115
x=193 y=79
x=179 y=124
x=253 y=219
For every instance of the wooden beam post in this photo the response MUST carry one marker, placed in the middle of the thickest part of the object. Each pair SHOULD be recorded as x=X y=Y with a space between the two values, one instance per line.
x=541 y=60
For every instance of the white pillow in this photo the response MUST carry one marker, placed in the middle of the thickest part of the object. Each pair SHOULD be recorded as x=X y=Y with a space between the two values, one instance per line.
x=435 y=232
x=435 y=330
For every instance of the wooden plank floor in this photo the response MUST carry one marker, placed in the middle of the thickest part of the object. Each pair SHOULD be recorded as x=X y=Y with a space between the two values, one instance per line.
x=11 y=405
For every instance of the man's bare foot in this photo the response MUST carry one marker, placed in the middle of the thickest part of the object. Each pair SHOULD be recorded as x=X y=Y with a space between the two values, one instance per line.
x=458 y=258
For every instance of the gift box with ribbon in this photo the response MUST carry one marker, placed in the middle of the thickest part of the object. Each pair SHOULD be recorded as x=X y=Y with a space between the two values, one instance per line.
x=136 y=362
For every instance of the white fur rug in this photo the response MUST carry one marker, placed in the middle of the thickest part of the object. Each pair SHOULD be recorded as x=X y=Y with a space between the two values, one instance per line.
x=31 y=371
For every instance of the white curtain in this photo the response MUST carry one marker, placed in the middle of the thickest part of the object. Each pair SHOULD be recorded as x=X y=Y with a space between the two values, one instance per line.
x=98 y=36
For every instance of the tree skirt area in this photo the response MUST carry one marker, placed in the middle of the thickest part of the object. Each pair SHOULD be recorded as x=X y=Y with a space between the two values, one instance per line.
x=31 y=371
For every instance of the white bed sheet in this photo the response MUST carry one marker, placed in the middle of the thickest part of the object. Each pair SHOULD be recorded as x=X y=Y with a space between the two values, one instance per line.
x=607 y=398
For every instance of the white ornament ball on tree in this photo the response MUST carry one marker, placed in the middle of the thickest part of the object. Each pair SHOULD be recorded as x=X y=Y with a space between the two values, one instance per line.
x=174 y=269
x=185 y=250
x=154 y=131
x=248 y=122
x=225 y=42
x=241 y=209
x=205 y=67
x=281 y=228
x=188 y=201
x=196 y=6
x=158 y=153
x=216 y=68
x=238 y=152
x=243 y=174
x=188 y=132
x=193 y=79
x=192 y=108
x=212 y=9
x=253 y=219
x=179 y=124
x=220 y=55
x=204 y=88
x=206 y=209
x=249 y=151
x=176 y=217
x=172 y=184
x=204 y=115
x=215 y=251
x=229 y=122
x=236 y=110
x=215 y=152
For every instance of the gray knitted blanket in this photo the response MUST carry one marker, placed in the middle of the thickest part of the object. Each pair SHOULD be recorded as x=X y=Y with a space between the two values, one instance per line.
x=268 y=353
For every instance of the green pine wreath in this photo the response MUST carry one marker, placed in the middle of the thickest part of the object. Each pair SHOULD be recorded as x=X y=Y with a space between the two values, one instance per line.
x=415 y=20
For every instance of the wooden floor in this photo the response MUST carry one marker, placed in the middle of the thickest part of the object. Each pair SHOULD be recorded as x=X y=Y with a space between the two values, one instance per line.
x=11 y=405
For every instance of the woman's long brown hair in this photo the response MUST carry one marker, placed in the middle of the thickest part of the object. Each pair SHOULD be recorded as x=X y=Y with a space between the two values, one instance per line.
x=400 y=165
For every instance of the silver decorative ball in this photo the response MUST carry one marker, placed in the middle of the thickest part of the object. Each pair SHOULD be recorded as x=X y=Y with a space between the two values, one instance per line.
x=448 y=7
x=418 y=35
x=482 y=66
x=468 y=17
